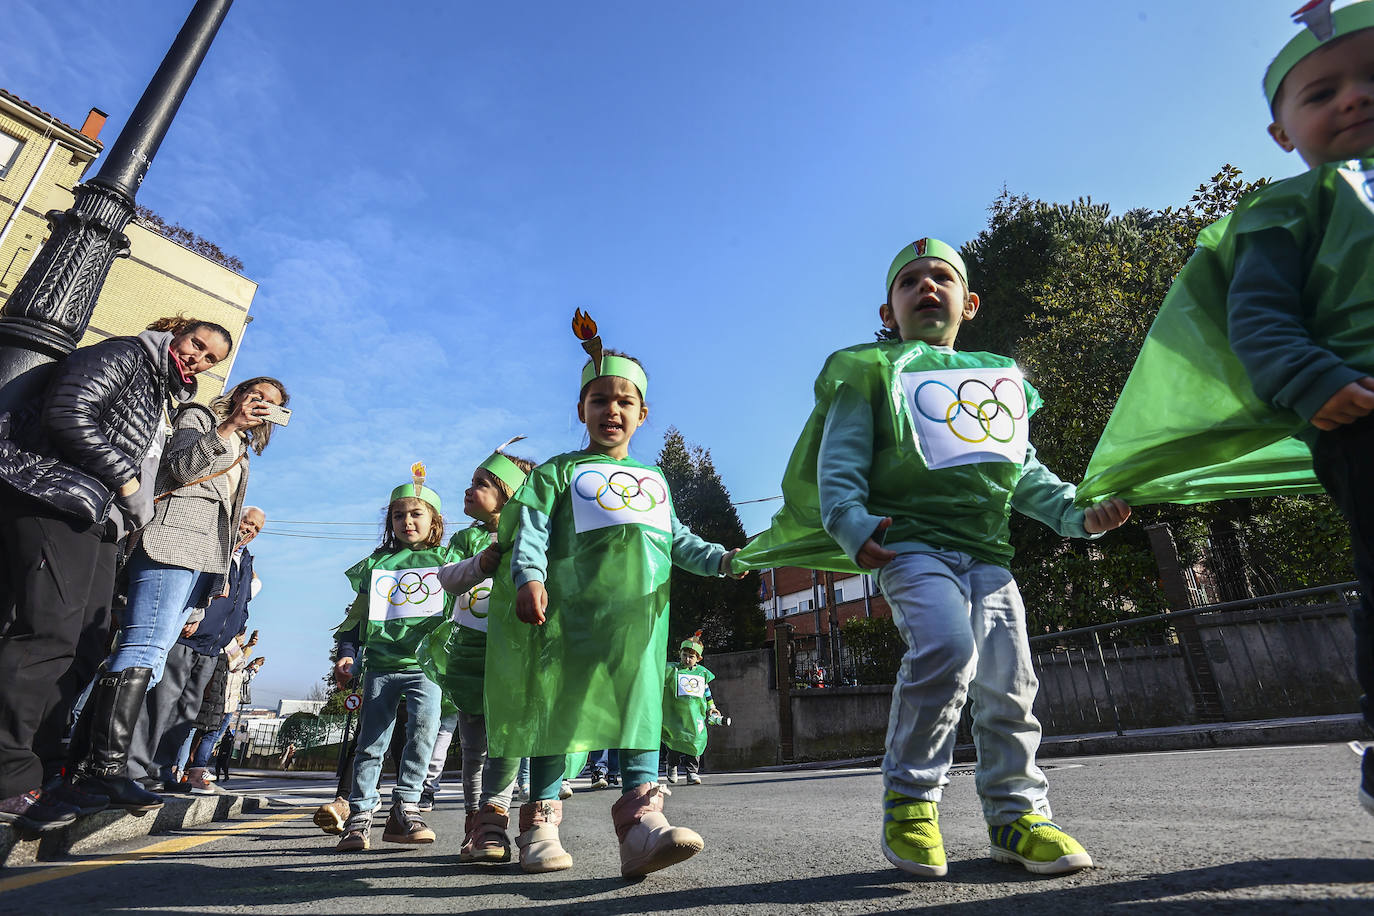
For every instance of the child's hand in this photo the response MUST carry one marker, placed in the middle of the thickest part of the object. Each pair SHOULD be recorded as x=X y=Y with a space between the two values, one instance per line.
x=726 y=569
x=343 y=671
x=1106 y=515
x=873 y=555
x=1352 y=402
x=531 y=602
x=489 y=559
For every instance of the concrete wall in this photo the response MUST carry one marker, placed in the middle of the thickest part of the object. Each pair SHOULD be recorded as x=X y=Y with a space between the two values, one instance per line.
x=838 y=723
x=745 y=691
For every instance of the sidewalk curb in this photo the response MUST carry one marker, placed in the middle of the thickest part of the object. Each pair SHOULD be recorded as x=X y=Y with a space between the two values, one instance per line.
x=95 y=831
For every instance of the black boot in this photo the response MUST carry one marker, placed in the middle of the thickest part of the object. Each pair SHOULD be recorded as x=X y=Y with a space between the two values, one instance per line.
x=100 y=741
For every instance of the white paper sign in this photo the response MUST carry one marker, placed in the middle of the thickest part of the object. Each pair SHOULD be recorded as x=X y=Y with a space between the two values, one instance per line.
x=1361 y=181
x=470 y=608
x=967 y=416
x=604 y=495
x=405 y=593
x=691 y=685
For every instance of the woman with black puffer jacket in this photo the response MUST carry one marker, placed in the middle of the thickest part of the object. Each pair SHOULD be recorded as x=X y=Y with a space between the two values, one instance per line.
x=77 y=474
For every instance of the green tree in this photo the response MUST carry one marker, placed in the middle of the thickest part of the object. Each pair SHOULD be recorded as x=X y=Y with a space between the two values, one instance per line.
x=727 y=611
x=303 y=729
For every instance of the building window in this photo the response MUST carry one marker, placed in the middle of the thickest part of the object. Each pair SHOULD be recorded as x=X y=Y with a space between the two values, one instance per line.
x=839 y=594
x=9 y=152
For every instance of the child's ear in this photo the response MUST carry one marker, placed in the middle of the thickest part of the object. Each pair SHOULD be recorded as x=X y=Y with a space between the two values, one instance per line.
x=643 y=412
x=971 y=306
x=886 y=317
x=1281 y=137
x=581 y=417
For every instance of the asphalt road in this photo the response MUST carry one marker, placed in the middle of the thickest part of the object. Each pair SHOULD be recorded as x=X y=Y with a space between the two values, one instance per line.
x=1248 y=830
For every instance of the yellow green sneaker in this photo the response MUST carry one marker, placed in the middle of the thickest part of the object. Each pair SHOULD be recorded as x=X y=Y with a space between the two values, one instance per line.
x=911 y=835
x=1037 y=843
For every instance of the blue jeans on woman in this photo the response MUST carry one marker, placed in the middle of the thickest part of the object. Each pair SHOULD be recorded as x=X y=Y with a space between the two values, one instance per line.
x=381 y=692
x=160 y=599
x=208 y=741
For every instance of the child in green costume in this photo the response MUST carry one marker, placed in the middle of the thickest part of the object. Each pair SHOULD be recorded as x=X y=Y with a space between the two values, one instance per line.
x=455 y=655
x=1301 y=299
x=912 y=461
x=594 y=539
x=400 y=601
x=687 y=709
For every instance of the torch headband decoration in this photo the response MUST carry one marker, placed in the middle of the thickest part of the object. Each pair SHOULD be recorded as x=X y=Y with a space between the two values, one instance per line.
x=416 y=489
x=926 y=248
x=694 y=643
x=500 y=466
x=1323 y=26
x=602 y=363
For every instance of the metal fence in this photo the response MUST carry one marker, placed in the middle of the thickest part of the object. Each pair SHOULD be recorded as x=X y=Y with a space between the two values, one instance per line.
x=1276 y=656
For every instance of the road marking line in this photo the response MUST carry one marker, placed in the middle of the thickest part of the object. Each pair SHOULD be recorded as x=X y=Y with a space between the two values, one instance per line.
x=177 y=844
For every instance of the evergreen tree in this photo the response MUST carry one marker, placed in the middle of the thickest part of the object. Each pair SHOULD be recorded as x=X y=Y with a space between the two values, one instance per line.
x=727 y=611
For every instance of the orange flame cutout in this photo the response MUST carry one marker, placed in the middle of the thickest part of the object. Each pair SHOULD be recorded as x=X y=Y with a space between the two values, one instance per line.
x=583 y=325
x=417 y=474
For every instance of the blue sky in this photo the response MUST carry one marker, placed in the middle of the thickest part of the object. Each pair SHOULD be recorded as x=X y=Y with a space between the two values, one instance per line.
x=426 y=191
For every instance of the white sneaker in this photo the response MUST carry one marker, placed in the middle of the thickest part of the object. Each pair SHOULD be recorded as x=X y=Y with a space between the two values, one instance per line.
x=565 y=791
x=693 y=779
x=672 y=775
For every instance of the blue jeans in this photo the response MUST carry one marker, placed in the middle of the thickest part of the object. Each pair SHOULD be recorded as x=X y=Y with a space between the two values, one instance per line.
x=208 y=742
x=381 y=693
x=965 y=630
x=160 y=599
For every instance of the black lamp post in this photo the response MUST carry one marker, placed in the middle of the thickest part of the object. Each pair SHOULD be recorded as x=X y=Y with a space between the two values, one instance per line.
x=44 y=320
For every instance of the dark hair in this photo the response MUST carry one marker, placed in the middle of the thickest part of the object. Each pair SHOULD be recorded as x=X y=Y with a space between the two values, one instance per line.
x=583 y=393
x=180 y=324
x=258 y=436
x=436 y=528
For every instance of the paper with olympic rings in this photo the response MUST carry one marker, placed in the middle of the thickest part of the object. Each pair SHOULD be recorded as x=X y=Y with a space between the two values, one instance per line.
x=604 y=495
x=401 y=593
x=470 y=608
x=690 y=685
x=967 y=416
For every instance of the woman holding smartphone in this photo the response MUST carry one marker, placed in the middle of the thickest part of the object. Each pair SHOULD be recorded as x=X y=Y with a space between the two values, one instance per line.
x=181 y=561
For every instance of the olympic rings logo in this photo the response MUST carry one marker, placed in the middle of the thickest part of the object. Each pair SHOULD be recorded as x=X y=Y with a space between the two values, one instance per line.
x=637 y=494
x=469 y=600
x=995 y=417
x=409 y=588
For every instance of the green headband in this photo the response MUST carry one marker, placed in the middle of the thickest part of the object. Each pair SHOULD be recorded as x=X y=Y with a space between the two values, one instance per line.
x=691 y=642
x=1344 y=21
x=411 y=491
x=508 y=472
x=926 y=248
x=620 y=367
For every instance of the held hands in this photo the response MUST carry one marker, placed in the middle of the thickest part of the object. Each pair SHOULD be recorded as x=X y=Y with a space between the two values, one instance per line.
x=489 y=559
x=343 y=672
x=1106 y=515
x=1352 y=402
x=531 y=602
x=873 y=555
x=726 y=567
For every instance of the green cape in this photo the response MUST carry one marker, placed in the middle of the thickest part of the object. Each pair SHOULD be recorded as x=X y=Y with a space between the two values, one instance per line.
x=957 y=508
x=684 y=708
x=455 y=655
x=400 y=604
x=591 y=677
x=1188 y=426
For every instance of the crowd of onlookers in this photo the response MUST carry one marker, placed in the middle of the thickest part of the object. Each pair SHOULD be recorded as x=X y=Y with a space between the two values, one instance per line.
x=125 y=577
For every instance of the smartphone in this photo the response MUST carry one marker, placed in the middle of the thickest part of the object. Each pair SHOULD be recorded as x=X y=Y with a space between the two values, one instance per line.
x=277 y=414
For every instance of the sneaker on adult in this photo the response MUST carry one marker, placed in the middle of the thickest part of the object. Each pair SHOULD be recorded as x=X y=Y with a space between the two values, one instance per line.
x=405 y=825
x=58 y=789
x=599 y=780
x=565 y=791
x=693 y=779
x=647 y=841
x=36 y=810
x=911 y=835
x=1038 y=844
x=672 y=775
x=355 y=833
x=614 y=780
x=1367 y=779
x=539 y=844
x=487 y=841
x=198 y=783
x=426 y=801
x=330 y=817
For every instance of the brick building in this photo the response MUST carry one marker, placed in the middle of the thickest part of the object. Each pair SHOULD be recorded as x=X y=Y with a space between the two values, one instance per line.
x=797 y=597
x=42 y=160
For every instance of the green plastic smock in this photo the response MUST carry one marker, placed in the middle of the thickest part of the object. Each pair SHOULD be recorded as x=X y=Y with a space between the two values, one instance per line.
x=686 y=699
x=1188 y=426
x=399 y=603
x=603 y=536
x=454 y=655
x=934 y=438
